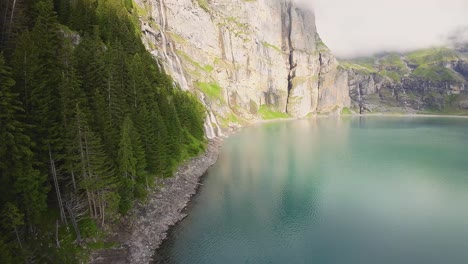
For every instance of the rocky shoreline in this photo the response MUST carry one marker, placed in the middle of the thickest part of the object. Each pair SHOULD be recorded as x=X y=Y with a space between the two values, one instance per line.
x=141 y=233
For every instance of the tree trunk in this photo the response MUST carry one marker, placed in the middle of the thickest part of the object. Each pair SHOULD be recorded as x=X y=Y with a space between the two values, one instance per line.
x=75 y=225
x=57 y=188
x=56 y=234
x=17 y=237
x=11 y=17
x=73 y=180
x=84 y=162
x=103 y=212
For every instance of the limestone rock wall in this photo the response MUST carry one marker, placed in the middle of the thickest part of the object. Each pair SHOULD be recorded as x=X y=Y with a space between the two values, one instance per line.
x=244 y=55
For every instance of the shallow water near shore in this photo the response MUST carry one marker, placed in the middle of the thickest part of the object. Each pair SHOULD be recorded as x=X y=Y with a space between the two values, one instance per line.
x=332 y=190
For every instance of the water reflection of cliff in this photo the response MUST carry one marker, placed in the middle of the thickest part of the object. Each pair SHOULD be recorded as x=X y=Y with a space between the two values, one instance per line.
x=284 y=158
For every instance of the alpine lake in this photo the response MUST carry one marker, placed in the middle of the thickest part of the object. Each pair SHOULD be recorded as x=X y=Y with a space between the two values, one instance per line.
x=357 y=190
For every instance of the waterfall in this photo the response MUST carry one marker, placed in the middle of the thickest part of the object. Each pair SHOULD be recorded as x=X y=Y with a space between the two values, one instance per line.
x=170 y=55
x=210 y=120
x=209 y=130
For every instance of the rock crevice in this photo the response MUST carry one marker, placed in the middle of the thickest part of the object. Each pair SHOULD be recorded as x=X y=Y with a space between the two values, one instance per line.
x=250 y=54
x=290 y=52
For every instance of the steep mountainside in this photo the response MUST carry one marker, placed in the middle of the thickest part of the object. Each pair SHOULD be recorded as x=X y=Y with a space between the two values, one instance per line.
x=431 y=80
x=88 y=123
x=249 y=59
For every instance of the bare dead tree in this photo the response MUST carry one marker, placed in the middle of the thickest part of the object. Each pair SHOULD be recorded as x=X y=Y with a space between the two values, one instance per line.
x=73 y=180
x=73 y=220
x=18 y=237
x=11 y=17
x=57 y=187
x=56 y=234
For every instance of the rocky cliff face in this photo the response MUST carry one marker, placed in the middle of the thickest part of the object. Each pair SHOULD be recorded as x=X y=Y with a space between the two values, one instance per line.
x=244 y=58
x=433 y=80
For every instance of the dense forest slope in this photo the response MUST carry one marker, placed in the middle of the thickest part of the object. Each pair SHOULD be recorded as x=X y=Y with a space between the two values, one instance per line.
x=87 y=121
x=424 y=81
x=251 y=59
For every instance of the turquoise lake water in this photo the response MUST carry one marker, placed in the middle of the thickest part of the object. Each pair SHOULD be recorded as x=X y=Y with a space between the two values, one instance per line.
x=356 y=190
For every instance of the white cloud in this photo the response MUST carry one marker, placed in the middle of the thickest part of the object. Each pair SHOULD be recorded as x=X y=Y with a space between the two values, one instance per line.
x=363 y=27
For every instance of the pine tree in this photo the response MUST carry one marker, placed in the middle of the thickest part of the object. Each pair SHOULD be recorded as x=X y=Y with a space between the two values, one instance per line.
x=82 y=17
x=116 y=85
x=144 y=124
x=19 y=177
x=174 y=129
x=132 y=164
x=12 y=219
x=38 y=70
x=97 y=172
x=6 y=253
x=72 y=98
x=143 y=180
x=162 y=144
x=127 y=166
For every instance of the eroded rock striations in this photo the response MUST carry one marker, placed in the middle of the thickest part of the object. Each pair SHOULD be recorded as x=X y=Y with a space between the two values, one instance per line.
x=432 y=80
x=244 y=56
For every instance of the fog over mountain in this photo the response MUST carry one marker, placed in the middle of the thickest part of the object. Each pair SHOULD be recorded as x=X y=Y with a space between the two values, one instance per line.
x=364 y=27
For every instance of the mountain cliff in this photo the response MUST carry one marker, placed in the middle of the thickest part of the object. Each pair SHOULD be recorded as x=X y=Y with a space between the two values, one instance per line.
x=424 y=81
x=245 y=59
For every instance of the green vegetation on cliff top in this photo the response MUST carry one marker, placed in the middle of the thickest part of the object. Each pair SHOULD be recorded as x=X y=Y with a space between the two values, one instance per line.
x=431 y=56
x=434 y=73
x=427 y=64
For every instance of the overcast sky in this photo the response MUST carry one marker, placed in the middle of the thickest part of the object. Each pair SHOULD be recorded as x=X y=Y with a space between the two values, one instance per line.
x=363 y=27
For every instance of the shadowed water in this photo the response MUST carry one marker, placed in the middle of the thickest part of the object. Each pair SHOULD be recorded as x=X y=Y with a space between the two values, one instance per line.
x=333 y=190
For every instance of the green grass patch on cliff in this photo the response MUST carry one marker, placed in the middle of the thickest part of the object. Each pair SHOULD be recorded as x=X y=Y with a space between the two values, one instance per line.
x=429 y=56
x=177 y=38
x=208 y=68
x=212 y=90
x=229 y=119
x=268 y=45
x=187 y=58
x=235 y=21
x=140 y=11
x=320 y=45
x=391 y=74
x=394 y=63
x=268 y=113
x=434 y=73
x=236 y=27
x=392 y=59
x=204 y=5
x=358 y=67
x=346 y=111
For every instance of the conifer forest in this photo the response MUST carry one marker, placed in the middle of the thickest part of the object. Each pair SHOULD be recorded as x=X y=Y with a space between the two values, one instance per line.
x=88 y=121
